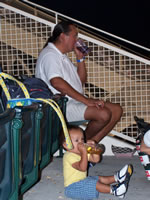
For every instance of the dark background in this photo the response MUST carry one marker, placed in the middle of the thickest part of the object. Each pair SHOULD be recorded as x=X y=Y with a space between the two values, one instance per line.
x=127 y=19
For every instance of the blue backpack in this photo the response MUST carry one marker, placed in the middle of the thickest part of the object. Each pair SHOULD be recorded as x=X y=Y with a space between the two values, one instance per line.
x=36 y=87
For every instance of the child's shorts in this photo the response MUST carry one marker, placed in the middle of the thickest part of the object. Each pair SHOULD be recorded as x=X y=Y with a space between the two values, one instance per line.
x=84 y=189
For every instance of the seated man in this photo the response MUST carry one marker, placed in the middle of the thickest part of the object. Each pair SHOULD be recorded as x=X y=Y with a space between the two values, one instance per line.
x=62 y=76
x=145 y=144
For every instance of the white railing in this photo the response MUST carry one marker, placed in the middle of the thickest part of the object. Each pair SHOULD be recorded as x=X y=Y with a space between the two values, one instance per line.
x=113 y=74
x=58 y=15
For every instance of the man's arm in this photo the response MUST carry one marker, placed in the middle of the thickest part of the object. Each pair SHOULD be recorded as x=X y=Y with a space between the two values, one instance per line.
x=81 y=69
x=66 y=89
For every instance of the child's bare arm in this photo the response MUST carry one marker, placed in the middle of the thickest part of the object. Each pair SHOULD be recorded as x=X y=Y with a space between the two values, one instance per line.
x=93 y=157
x=82 y=164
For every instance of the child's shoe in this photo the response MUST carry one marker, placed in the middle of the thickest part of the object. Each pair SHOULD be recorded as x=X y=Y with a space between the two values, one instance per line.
x=119 y=189
x=124 y=173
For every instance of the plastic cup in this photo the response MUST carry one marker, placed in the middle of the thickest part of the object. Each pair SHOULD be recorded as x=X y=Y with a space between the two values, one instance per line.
x=81 y=46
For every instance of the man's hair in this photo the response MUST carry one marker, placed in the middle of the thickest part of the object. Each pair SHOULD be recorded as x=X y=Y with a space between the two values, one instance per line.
x=69 y=127
x=61 y=27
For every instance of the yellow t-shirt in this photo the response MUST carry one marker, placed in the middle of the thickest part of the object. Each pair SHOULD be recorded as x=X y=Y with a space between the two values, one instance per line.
x=71 y=175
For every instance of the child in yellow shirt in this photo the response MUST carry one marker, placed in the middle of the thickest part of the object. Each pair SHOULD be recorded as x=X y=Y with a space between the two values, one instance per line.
x=75 y=163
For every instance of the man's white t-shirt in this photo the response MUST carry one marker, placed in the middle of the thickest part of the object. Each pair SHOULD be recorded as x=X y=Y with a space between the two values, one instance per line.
x=52 y=63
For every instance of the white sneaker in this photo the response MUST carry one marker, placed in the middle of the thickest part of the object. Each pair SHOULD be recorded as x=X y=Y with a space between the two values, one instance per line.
x=124 y=173
x=119 y=189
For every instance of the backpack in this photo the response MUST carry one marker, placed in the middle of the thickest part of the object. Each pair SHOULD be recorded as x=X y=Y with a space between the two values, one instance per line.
x=17 y=93
x=36 y=88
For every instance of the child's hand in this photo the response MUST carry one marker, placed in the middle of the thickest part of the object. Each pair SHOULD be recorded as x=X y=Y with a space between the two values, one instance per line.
x=81 y=148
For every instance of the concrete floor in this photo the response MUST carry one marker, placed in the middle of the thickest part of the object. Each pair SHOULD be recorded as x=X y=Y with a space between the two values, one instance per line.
x=50 y=187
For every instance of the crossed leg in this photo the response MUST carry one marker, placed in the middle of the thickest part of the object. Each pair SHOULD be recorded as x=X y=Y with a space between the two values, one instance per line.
x=102 y=120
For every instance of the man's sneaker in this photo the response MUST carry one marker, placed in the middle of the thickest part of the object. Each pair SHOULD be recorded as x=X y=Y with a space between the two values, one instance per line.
x=124 y=174
x=119 y=189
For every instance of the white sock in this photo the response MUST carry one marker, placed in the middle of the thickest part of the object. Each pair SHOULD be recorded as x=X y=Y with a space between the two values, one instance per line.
x=115 y=177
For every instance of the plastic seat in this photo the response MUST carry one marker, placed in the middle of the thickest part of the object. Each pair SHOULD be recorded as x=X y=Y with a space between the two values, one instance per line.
x=79 y=123
x=8 y=156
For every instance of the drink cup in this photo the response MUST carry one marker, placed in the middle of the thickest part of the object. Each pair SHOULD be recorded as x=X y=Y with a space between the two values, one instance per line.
x=95 y=149
x=81 y=46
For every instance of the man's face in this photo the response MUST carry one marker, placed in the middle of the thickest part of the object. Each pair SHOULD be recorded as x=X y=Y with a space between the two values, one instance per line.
x=70 y=39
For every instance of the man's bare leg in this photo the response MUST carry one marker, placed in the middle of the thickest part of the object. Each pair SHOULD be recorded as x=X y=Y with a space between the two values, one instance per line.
x=102 y=120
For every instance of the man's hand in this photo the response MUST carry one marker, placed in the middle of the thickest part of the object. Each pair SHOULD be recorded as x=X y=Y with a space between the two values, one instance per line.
x=95 y=102
x=78 y=53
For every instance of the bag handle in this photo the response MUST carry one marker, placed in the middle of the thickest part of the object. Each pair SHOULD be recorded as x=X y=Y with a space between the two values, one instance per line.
x=2 y=83
x=4 y=87
x=57 y=109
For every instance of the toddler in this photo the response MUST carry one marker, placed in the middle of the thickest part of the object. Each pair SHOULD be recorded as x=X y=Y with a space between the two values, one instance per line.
x=75 y=163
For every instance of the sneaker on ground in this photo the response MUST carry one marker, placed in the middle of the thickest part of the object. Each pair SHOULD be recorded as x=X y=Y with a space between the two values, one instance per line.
x=119 y=189
x=124 y=173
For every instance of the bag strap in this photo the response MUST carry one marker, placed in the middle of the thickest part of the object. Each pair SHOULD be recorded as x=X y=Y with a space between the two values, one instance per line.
x=57 y=109
x=4 y=87
x=2 y=83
